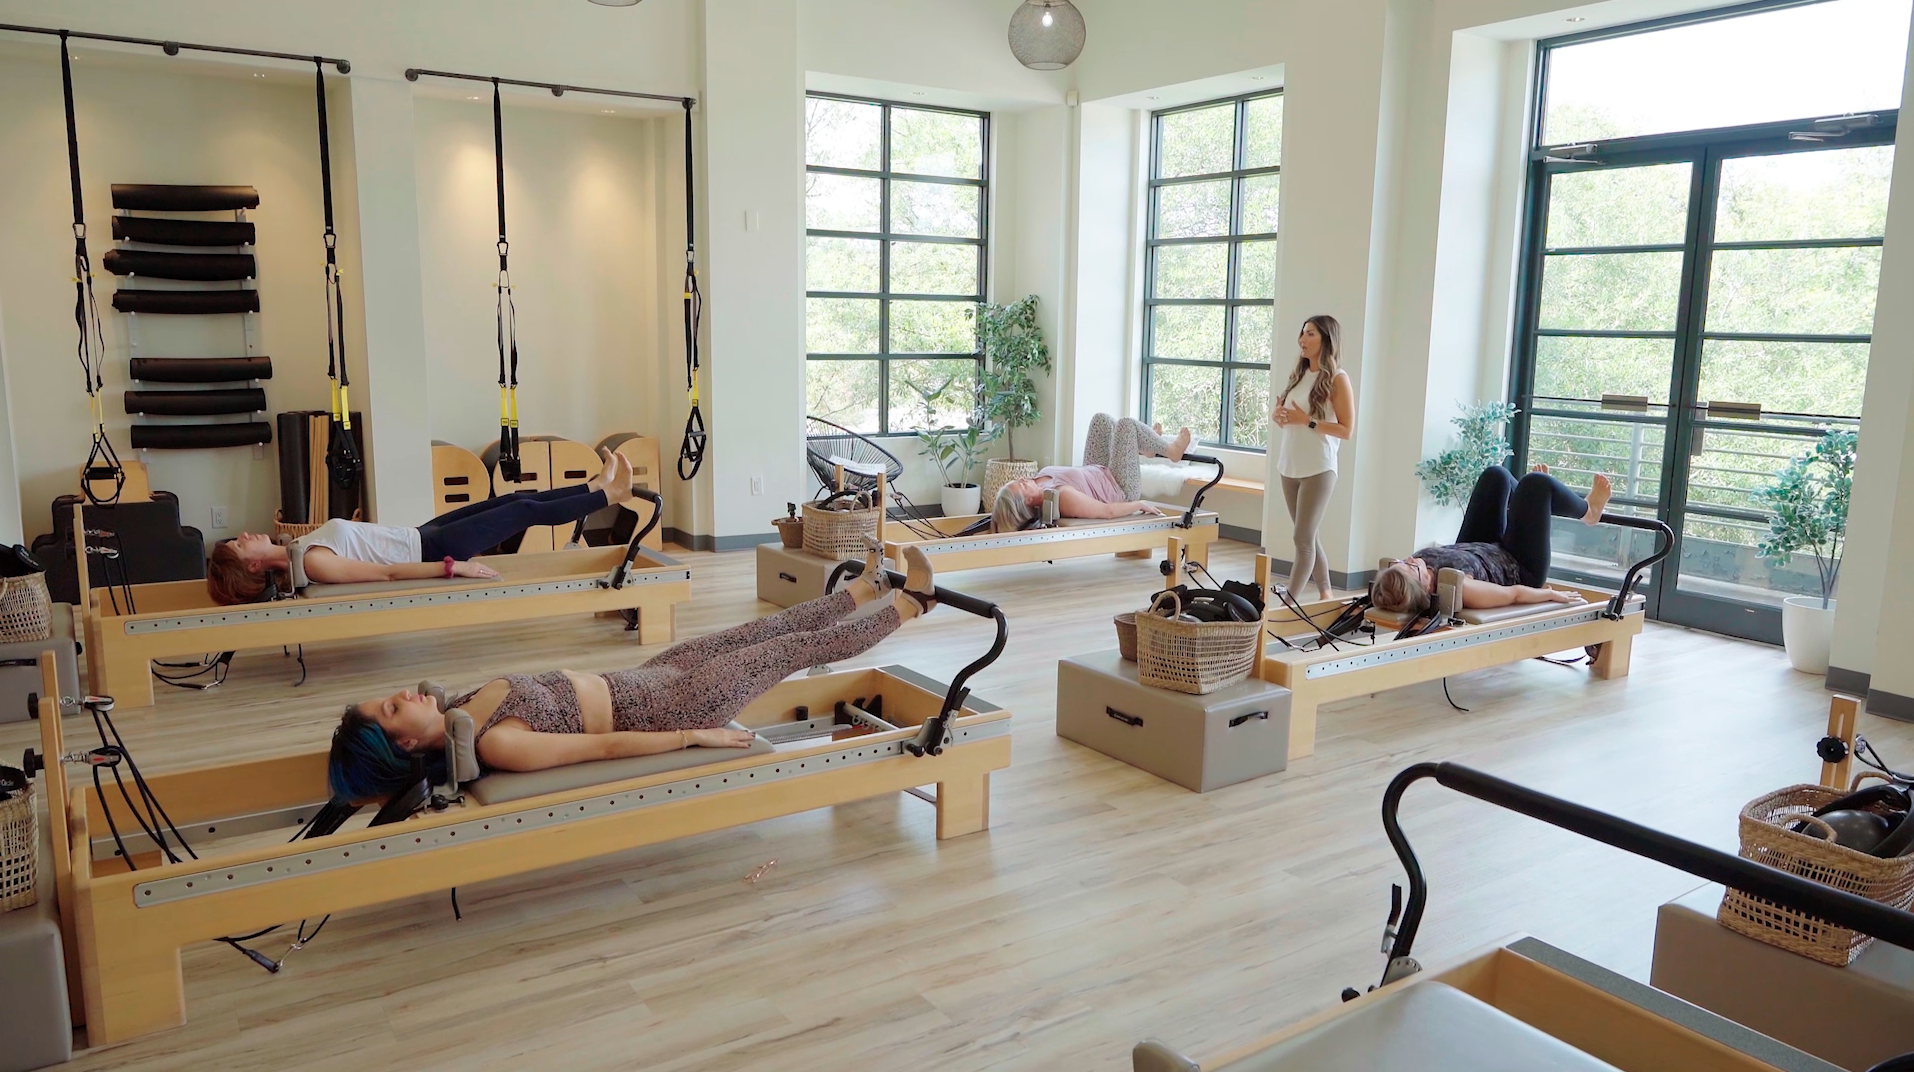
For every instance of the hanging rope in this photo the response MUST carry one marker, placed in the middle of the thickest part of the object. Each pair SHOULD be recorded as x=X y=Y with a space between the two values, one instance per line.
x=507 y=314
x=342 y=452
x=102 y=463
x=691 y=451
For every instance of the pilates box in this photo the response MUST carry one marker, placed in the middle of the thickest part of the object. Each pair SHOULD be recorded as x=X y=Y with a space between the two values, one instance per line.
x=1198 y=742
x=787 y=576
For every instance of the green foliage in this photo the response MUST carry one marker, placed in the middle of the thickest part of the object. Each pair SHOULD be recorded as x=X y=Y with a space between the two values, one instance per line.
x=955 y=452
x=1013 y=347
x=1481 y=441
x=1810 y=503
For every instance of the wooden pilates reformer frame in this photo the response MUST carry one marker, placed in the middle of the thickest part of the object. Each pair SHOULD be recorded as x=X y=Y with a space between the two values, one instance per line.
x=1187 y=532
x=1603 y=1015
x=123 y=929
x=1605 y=625
x=179 y=618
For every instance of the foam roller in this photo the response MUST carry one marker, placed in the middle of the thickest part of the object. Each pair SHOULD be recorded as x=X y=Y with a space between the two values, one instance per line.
x=186 y=301
x=200 y=369
x=196 y=403
x=199 y=436
x=153 y=198
x=165 y=232
x=199 y=266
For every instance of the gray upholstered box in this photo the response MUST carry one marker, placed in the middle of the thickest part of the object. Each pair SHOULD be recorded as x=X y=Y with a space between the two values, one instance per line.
x=1198 y=742
x=788 y=577
x=36 y=1027
x=18 y=684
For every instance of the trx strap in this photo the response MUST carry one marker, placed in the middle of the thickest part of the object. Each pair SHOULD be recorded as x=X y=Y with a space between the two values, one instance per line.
x=342 y=453
x=691 y=451
x=101 y=461
x=507 y=314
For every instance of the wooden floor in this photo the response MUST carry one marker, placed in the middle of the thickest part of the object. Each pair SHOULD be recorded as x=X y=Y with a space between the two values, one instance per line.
x=1103 y=906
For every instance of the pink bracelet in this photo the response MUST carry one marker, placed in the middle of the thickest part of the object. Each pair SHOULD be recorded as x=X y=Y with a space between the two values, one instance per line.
x=449 y=563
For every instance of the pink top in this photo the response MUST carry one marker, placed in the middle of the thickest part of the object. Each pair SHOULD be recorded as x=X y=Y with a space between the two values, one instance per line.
x=1093 y=480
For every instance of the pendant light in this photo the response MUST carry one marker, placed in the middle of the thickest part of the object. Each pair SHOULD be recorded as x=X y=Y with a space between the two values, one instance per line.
x=1046 y=35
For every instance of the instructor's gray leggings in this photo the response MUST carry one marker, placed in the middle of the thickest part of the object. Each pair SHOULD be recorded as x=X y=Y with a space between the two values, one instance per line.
x=1119 y=445
x=1307 y=499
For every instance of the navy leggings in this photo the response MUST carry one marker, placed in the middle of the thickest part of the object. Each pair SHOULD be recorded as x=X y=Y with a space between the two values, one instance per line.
x=472 y=530
x=1515 y=514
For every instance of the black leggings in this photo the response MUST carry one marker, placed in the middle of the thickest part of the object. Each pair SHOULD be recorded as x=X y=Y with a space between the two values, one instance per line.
x=1515 y=514
x=471 y=530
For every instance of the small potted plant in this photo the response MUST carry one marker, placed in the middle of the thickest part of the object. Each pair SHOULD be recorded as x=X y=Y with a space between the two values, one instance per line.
x=1481 y=441
x=1013 y=347
x=1810 y=503
x=955 y=452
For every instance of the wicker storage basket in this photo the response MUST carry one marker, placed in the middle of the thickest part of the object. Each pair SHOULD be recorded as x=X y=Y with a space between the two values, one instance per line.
x=790 y=531
x=26 y=612
x=1001 y=471
x=18 y=839
x=838 y=533
x=1765 y=838
x=1126 y=635
x=1181 y=655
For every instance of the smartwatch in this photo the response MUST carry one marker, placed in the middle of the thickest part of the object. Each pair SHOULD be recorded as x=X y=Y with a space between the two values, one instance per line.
x=1312 y=424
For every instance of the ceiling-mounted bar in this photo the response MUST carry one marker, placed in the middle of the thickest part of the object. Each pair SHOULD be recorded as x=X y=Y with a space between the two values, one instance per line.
x=558 y=89
x=173 y=48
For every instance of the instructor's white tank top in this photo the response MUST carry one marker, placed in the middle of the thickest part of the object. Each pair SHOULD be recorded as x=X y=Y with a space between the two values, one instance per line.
x=1301 y=450
x=361 y=541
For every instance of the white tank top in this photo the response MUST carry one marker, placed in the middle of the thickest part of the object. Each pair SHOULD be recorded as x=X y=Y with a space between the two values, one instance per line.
x=1302 y=451
x=361 y=541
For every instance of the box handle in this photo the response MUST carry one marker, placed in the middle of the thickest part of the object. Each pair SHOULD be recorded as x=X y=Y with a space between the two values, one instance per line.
x=783 y=576
x=1127 y=720
x=1240 y=719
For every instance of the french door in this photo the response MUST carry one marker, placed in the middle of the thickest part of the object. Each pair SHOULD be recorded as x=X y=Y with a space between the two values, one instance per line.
x=1695 y=311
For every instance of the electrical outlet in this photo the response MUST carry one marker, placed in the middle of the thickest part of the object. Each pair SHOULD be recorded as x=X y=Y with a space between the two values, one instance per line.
x=219 y=518
x=757 y=485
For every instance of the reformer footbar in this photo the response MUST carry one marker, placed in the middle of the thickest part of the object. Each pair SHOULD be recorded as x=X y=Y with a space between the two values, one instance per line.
x=102 y=462
x=342 y=453
x=691 y=450
x=508 y=466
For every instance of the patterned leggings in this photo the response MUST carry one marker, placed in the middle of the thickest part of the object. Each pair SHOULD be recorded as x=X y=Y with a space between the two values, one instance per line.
x=703 y=683
x=1119 y=445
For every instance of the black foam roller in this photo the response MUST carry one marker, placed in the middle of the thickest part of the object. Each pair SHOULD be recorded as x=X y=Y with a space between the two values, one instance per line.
x=293 y=462
x=186 y=301
x=153 y=198
x=200 y=369
x=196 y=403
x=199 y=436
x=165 y=232
x=199 y=266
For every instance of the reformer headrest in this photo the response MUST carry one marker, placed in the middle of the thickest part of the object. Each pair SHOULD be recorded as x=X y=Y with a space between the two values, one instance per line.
x=461 y=752
x=1052 y=510
x=1449 y=591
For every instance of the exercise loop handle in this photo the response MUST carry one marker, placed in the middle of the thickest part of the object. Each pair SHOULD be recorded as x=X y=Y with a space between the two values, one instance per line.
x=102 y=462
x=691 y=450
x=342 y=451
x=508 y=461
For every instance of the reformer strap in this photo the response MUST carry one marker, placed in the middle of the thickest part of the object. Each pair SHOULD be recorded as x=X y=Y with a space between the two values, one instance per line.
x=342 y=452
x=508 y=466
x=691 y=451
x=102 y=463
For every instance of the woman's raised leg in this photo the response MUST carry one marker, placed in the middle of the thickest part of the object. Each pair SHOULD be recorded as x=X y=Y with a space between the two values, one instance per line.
x=807 y=617
x=1100 y=442
x=1488 y=511
x=471 y=530
x=1537 y=498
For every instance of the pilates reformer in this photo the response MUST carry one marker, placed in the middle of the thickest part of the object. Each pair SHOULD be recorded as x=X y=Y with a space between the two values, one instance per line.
x=1312 y=650
x=1524 y=1004
x=125 y=628
x=825 y=739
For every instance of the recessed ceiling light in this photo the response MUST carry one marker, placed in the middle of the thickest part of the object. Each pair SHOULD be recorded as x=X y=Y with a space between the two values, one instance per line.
x=256 y=74
x=1256 y=78
x=616 y=3
x=916 y=92
x=472 y=98
x=1156 y=98
x=1577 y=18
x=604 y=111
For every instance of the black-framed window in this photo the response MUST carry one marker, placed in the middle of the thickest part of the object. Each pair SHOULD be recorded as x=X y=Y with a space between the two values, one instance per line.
x=1210 y=273
x=897 y=206
x=1696 y=304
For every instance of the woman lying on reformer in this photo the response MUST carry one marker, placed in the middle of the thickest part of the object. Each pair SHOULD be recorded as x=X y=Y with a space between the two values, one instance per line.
x=1108 y=484
x=1502 y=547
x=680 y=698
x=349 y=552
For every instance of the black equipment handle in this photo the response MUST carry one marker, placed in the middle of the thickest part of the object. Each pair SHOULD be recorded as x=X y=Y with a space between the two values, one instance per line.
x=1839 y=907
x=1240 y=719
x=1127 y=720
x=623 y=569
x=508 y=457
x=1196 y=501
x=342 y=450
x=691 y=449
x=1635 y=571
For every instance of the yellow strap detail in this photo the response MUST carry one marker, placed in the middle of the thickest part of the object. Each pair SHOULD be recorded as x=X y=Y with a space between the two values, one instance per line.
x=345 y=407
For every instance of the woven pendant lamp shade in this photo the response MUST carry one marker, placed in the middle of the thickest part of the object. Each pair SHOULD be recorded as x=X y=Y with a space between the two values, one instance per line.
x=1046 y=47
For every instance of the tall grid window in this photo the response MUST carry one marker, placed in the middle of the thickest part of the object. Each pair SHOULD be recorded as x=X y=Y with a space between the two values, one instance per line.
x=896 y=211
x=1210 y=292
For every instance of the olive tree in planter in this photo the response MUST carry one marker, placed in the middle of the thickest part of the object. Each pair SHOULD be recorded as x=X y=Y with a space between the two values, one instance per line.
x=1013 y=348
x=1810 y=503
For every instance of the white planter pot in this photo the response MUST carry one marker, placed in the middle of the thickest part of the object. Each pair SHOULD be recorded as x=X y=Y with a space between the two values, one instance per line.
x=1806 y=629
x=962 y=500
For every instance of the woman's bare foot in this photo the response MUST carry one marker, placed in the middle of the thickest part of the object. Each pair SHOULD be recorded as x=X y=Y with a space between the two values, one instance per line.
x=722 y=737
x=1538 y=467
x=605 y=476
x=1157 y=427
x=1598 y=496
x=1179 y=445
x=618 y=488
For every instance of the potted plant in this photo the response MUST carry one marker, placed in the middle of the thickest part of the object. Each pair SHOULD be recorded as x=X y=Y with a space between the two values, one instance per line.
x=1810 y=503
x=956 y=452
x=1481 y=441
x=1013 y=347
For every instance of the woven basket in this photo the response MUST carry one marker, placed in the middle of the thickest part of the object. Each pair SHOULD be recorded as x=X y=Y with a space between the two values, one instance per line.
x=1001 y=471
x=790 y=531
x=1126 y=635
x=18 y=839
x=26 y=612
x=838 y=533
x=1181 y=655
x=1765 y=838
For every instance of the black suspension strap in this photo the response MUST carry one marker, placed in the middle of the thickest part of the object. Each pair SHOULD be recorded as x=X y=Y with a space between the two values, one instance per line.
x=102 y=463
x=691 y=451
x=507 y=314
x=342 y=453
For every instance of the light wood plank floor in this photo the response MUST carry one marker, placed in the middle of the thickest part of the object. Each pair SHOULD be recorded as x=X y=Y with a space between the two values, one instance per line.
x=1103 y=906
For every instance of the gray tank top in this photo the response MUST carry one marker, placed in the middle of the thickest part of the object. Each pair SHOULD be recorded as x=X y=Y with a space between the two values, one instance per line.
x=1484 y=561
